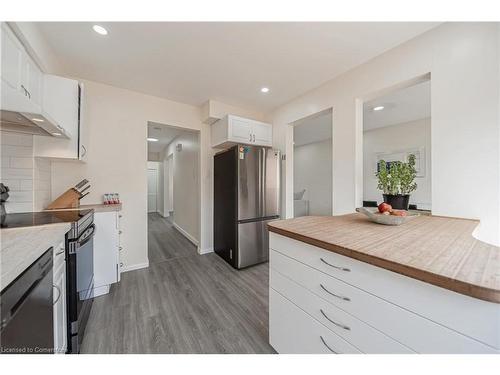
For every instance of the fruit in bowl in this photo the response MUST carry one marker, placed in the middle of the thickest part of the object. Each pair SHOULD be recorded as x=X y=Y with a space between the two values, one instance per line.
x=399 y=213
x=384 y=207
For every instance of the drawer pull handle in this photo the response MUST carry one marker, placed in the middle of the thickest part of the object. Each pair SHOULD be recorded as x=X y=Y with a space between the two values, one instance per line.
x=333 y=294
x=328 y=347
x=334 y=266
x=334 y=322
x=60 y=252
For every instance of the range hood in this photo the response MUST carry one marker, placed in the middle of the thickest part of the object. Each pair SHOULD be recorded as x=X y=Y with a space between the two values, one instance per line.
x=29 y=123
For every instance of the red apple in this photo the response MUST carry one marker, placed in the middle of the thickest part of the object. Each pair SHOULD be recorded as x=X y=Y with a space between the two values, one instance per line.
x=384 y=207
x=399 y=213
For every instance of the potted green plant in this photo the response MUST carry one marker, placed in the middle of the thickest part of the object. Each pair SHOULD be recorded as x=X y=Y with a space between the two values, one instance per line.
x=397 y=180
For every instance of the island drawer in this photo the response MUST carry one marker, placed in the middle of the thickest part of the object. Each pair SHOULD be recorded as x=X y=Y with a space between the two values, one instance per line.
x=470 y=316
x=292 y=331
x=354 y=331
x=411 y=330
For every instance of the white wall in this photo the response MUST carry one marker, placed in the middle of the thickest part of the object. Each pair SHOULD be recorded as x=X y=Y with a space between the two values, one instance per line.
x=117 y=159
x=400 y=137
x=463 y=60
x=185 y=182
x=313 y=172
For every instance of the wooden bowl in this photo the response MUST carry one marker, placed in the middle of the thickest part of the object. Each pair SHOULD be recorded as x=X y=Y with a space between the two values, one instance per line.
x=379 y=218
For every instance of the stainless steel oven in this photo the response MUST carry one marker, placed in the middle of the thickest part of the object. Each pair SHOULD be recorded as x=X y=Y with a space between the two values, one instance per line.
x=80 y=280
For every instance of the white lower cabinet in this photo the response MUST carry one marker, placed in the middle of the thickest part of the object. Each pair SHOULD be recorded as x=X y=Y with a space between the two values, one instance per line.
x=292 y=331
x=59 y=300
x=369 y=316
x=106 y=251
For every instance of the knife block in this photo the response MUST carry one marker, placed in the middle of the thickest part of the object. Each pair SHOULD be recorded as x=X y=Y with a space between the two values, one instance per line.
x=69 y=199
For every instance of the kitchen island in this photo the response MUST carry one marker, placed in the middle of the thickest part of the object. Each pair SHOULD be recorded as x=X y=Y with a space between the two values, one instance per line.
x=345 y=284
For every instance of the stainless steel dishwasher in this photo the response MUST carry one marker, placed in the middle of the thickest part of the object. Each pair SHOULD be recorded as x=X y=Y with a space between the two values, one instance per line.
x=26 y=310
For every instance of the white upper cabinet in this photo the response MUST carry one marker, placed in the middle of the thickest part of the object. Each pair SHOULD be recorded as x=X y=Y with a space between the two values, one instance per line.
x=62 y=100
x=234 y=129
x=52 y=101
x=21 y=77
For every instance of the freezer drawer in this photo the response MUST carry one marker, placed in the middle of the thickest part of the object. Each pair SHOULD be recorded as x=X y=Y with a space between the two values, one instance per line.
x=253 y=243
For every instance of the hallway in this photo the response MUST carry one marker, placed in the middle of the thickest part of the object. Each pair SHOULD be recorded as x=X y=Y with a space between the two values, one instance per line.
x=182 y=303
x=165 y=242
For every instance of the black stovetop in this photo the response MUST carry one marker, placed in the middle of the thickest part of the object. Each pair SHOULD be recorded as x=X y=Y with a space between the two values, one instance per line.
x=30 y=219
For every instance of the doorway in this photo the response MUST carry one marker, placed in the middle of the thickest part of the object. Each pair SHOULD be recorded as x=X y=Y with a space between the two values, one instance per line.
x=313 y=165
x=173 y=192
x=397 y=126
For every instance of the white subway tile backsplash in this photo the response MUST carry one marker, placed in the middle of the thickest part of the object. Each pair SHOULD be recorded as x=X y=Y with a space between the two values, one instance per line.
x=42 y=185
x=12 y=207
x=28 y=178
x=42 y=175
x=16 y=139
x=21 y=196
x=16 y=173
x=19 y=151
x=15 y=185
x=25 y=185
x=16 y=162
x=42 y=164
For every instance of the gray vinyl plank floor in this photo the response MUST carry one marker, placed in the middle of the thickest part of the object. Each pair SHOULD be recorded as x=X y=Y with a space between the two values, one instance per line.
x=182 y=303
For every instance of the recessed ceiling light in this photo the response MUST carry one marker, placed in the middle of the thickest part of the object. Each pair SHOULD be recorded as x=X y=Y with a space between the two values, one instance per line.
x=379 y=108
x=100 y=30
x=56 y=134
x=36 y=119
x=264 y=89
x=152 y=139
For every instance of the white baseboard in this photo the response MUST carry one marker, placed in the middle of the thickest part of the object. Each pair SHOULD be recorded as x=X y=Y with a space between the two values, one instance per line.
x=133 y=267
x=100 y=290
x=205 y=251
x=186 y=234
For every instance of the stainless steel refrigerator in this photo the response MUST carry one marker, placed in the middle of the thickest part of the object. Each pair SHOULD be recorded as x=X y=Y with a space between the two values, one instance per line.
x=246 y=198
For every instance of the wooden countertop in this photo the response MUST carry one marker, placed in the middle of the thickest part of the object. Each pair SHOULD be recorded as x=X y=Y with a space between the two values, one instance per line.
x=96 y=207
x=436 y=250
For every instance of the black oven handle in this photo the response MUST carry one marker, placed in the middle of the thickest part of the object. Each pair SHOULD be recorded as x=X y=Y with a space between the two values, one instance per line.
x=86 y=236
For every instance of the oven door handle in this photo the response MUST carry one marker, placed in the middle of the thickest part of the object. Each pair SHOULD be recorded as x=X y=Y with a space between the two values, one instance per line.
x=86 y=237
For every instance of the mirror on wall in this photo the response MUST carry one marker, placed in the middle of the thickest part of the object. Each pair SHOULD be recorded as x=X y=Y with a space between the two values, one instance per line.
x=397 y=130
x=312 y=165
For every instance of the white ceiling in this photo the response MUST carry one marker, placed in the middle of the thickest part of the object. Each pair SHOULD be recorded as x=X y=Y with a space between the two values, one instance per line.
x=230 y=62
x=312 y=129
x=409 y=104
x=165 y=134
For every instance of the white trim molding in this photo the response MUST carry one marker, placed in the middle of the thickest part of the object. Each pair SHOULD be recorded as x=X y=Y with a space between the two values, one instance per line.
x=186 y=234
x=205 y=251
x=134 y=267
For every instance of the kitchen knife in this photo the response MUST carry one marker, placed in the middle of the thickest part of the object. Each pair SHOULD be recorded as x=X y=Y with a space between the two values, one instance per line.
x=84 y=189
x=83 y=196
x=81 y=184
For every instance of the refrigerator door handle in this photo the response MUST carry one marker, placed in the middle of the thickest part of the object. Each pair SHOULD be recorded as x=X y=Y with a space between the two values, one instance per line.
x=260 y=192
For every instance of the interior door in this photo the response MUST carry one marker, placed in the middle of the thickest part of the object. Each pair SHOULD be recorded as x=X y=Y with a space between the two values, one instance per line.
x=152 y=189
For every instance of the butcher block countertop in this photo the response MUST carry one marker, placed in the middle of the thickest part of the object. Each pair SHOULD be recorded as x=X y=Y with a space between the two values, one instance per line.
x=96 y=207
x=437 y=250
